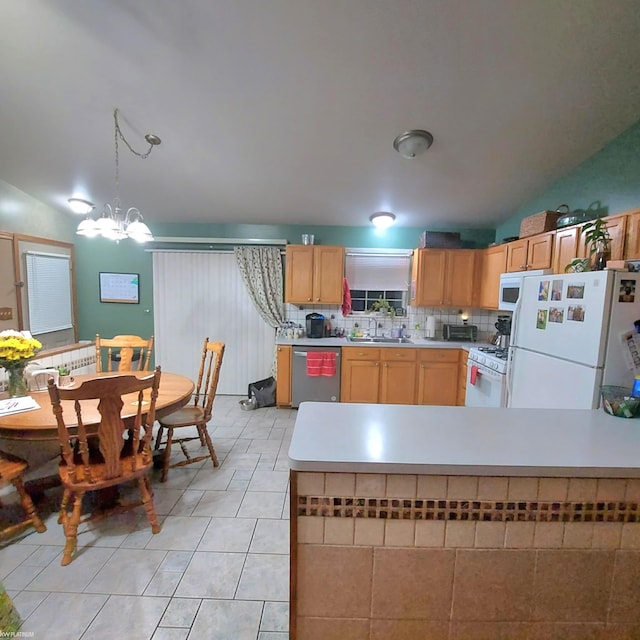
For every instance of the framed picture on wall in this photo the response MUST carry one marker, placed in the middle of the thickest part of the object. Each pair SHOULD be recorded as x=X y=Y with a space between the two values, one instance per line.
x=120 y=287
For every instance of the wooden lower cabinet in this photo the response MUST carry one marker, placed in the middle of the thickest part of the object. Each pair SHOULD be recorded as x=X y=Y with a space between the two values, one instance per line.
x=360 y=374
x=283 y=381
x=438 y=376
x=398 y=380
x=462 y=377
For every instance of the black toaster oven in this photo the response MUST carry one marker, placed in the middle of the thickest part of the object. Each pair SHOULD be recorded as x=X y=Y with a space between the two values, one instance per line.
x=460 y=332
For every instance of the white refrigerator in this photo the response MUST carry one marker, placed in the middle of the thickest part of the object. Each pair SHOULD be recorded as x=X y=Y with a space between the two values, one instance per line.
x=570 y=335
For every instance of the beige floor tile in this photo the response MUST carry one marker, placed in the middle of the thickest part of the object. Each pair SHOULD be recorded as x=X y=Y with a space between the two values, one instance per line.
x=228 y=534
x=179 y=533
x=227 y=620
x=264 y=577
x=211 y=575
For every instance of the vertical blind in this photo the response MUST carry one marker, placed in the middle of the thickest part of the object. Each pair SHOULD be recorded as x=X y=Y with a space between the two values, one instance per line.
x=201 y=294
x=48 y=292
x=373 y=271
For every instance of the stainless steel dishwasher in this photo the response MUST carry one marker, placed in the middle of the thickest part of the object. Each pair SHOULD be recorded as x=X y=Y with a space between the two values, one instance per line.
x=316 y=388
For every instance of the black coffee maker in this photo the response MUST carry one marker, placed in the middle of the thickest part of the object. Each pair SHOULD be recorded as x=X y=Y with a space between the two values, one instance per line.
x=315 y=325
x=503 y=335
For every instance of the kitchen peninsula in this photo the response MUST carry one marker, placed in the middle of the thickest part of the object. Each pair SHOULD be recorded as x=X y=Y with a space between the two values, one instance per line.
x=454 y=522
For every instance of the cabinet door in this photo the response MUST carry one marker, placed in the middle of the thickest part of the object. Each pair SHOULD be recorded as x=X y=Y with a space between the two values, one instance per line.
x=428 y=283
x=460 y=277
x=493 y=264
x=398 y=384
x=359 y=381
x=539 y=251
x=328 y=274
x=462 y=377
x=517 y=255
x=283 y=381
x=632 y=245
x=616 y=226
x=438 y=383
x=565 y=248
x=299 y=267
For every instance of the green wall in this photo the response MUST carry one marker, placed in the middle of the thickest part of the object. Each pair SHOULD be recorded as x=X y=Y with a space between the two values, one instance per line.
x=608 y=181
x=20 y=213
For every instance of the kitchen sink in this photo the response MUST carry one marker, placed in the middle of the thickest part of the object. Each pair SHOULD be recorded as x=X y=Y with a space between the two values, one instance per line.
x=377 y=339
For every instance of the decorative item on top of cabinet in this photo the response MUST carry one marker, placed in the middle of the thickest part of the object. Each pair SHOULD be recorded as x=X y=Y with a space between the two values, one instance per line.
x=444 y=277
x=314 y=274
x=283 y=376
x=530 y=253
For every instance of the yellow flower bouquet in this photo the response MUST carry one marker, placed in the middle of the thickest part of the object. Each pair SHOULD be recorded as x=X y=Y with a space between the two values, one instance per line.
x=16 y=349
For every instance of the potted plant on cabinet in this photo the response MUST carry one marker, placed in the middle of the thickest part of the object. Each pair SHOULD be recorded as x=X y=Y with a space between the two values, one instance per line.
x=598 y=242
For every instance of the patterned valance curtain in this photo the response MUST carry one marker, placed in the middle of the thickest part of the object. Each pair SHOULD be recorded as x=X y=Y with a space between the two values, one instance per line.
x=261 y=269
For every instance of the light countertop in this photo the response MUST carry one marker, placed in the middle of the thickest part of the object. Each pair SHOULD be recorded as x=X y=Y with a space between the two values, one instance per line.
x=368 y=438
x=344 y=342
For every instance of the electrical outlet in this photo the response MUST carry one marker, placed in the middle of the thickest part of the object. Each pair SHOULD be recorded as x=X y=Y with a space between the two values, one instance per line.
x=6 y=313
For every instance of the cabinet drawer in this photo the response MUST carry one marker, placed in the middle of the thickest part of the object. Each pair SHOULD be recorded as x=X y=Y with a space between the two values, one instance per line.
x=398 y=355
x=438 y=355
x=360 y=353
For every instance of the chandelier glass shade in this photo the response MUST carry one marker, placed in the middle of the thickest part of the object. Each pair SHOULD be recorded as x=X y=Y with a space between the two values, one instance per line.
x=115 y=223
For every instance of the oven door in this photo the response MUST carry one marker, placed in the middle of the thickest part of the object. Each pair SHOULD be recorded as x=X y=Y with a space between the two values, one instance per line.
x=485 y=387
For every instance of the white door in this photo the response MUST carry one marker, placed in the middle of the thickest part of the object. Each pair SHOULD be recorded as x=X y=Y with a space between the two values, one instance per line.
x=202 y=294
x=537 y=381
x=565 y=316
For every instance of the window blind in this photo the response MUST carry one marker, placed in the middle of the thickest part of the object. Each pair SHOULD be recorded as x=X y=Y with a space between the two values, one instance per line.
x=48 y=292
x=386 y=272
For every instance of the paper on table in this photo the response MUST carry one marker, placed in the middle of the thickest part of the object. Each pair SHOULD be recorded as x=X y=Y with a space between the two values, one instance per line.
x=17 y=405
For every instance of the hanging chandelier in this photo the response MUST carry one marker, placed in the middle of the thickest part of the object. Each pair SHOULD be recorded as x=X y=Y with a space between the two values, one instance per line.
x=114 y=223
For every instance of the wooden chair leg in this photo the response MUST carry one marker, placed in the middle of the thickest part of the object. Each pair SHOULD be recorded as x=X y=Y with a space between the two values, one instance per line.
x=158 y=437
x=70 y=524
x=202 y=429
x=28 y=506
x=147 y=500
x=63 y=504
x=167 y=455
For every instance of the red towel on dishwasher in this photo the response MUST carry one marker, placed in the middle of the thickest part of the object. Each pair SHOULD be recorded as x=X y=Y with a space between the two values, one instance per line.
x=321 y=363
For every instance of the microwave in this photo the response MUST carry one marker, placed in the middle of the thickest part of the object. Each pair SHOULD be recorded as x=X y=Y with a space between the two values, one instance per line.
x=510 y=286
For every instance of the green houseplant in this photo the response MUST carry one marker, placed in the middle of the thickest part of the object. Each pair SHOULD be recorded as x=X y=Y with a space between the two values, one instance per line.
x=598 y=243
x=382 y=306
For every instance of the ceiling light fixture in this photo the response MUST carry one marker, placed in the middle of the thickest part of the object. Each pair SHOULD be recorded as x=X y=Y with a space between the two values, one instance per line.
x=80 y=206
x=113 y=223
x=413 y=143
x=382 y=219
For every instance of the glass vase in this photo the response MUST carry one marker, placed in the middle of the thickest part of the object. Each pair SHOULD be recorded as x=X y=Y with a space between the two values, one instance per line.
x=17 y=383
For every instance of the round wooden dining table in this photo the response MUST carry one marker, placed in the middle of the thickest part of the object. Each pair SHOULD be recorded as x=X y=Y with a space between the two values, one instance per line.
x=40 y=424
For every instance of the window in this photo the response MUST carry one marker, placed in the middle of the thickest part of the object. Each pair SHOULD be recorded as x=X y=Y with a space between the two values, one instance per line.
x=49 y=292
x=379 y=273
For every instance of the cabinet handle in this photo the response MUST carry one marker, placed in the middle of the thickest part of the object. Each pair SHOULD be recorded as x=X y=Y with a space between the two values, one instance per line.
x=308 y=299
x=385 y=365
x=523 y=267
x=317 y=299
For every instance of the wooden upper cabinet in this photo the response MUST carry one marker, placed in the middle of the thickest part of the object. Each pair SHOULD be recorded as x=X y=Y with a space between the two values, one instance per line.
x=530 y=253
x=616 y=226
x=494 y=262
x=314 y=274
x=565 y=248
x=632 y=244
x=443 y=277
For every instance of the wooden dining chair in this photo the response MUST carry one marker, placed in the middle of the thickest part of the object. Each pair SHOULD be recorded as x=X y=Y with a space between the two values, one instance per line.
x=12 y=469
x=106 y=459
x=123 y=353
x=196 y=414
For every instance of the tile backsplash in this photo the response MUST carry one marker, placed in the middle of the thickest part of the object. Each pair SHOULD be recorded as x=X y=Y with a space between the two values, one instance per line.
x=484 y=319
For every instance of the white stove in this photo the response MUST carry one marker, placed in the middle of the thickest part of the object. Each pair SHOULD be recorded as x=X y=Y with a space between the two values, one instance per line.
x=493 y=358
x=486 y=377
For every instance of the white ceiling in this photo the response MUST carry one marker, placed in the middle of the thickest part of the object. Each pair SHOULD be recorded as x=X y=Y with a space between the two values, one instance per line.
x=284 y=111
